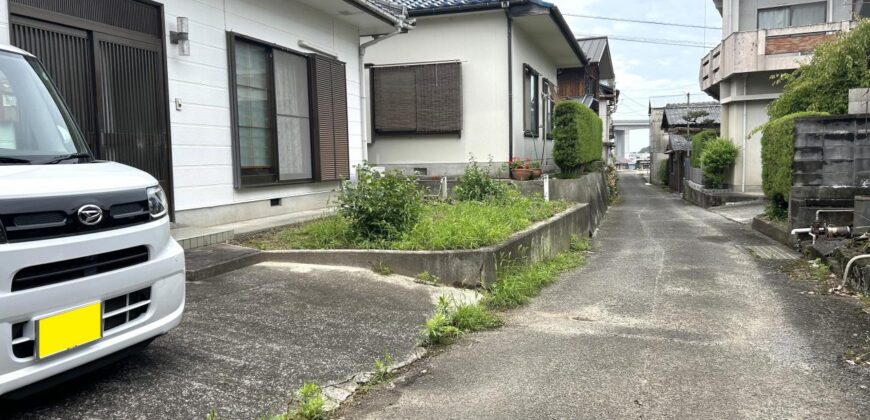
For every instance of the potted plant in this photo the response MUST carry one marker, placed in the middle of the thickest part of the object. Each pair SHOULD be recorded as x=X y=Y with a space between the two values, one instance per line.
x=536 y=169
x=519 y=169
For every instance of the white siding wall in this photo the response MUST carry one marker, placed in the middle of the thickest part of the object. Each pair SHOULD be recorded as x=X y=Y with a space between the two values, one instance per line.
x=527 y=52
x=479 y=41
x=201 y=136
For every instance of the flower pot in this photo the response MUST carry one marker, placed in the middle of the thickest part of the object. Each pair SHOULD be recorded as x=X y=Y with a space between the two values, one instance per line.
x=536 y=173
x=521 y=174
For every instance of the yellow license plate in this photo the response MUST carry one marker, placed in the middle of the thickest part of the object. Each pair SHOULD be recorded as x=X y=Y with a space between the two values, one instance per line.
x=58 y=333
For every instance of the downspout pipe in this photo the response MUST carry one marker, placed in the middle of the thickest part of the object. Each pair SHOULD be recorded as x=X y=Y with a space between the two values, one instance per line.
x=402 y=26
x=510 y=54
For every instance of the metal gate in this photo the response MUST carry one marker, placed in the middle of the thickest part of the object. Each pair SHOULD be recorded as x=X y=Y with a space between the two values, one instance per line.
x=110 y=69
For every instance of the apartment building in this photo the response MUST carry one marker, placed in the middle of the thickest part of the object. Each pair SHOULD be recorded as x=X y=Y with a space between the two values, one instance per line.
x=762 y=38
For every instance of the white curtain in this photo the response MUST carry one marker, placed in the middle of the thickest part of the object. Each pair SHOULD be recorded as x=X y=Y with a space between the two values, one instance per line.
x=808 y=14
x=773 y=18
x=252 y=82
x=291 y=103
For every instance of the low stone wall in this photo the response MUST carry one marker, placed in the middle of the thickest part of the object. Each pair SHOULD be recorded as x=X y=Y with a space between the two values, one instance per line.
x=463 y=268
x=705 y=198
x=590 y=188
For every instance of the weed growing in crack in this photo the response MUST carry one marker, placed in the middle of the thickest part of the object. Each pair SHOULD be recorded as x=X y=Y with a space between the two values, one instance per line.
x=439 y=328
x=427 y=278
x=383 y=368
x=381 y=268
x=310 y=403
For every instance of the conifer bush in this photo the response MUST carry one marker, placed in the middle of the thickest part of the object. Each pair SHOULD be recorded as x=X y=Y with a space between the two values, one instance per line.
x=577 y=134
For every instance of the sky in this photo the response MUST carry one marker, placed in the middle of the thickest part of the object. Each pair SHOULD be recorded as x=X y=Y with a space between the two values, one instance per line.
x=643 y=70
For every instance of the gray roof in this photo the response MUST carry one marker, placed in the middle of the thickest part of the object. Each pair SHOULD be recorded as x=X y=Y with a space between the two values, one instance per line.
x=675 y=114
x=597 y=50
x=678 y=143
x=439 y=4
x=593 y=47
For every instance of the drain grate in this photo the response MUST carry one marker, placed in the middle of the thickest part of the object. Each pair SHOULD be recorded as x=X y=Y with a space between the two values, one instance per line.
x=771 y=252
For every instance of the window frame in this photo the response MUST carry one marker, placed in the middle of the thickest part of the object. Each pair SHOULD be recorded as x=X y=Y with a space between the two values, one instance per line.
x=241 y=180
x=790 y=8
x=529 y=73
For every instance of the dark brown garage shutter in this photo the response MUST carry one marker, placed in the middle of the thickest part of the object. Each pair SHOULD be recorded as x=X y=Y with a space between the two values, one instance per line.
x=419 y=99
x=329 y=94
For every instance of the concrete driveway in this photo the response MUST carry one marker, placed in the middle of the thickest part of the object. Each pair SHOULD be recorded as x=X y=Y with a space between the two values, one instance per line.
x=673 y=317
x=250 y=338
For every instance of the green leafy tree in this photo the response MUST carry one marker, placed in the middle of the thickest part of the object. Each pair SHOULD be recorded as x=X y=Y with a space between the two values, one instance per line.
x=823 y=84
x=718 y=156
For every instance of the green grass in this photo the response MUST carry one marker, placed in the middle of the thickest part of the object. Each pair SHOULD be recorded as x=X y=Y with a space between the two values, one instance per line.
x=516 y=285
x=474 y=317
x=443 y=226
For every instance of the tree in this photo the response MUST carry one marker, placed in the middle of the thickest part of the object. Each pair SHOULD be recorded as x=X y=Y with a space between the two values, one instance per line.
x=823 y=84
x=644 y=149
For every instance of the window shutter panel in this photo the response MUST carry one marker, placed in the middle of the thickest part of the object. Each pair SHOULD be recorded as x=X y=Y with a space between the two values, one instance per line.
x=340 y=128
x=329 y=95
x=395 y=99
x=439 y=104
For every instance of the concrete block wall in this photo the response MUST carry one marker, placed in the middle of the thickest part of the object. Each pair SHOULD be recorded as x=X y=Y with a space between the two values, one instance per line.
x=859 y=101
x=831 y=166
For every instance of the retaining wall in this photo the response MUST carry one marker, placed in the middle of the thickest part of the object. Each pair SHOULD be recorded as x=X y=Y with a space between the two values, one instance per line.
x=463 y=268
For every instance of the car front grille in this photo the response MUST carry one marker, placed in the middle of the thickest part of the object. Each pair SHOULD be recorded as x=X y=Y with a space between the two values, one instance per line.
x=117 y=312
x=33 y=219
x=62 y=271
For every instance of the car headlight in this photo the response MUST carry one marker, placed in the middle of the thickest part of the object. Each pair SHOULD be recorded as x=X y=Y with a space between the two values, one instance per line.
x=158 y=206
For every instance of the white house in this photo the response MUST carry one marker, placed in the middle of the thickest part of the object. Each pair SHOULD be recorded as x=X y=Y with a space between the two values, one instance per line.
x=475 y=77
x=242 y=109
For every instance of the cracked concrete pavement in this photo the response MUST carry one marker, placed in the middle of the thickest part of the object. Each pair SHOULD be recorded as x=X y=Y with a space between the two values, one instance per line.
x=248 y=340
x=671 y=318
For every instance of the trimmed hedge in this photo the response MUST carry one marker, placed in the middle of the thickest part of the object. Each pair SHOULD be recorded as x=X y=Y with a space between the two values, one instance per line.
x=577 y=135
x=777 y=155
x=699 y=140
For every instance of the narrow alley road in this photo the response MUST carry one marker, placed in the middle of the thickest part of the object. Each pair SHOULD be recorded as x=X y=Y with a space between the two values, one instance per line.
x=671 y=317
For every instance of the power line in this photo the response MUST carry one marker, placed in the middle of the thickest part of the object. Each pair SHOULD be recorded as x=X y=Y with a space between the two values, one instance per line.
x=675 y=42
x=650 y=22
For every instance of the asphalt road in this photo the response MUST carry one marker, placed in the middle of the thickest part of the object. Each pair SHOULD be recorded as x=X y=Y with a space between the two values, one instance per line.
x=248 y=340
x=671 y=318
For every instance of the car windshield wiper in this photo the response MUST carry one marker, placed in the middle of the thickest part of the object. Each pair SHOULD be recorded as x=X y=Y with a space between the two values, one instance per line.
x=14 y=161
x=61 y=158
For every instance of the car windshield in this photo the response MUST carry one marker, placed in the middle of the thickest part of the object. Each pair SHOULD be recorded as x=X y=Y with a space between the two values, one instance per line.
x=35 y=127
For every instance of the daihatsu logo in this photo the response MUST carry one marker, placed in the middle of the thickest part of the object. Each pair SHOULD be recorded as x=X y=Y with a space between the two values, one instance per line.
x=90 y=214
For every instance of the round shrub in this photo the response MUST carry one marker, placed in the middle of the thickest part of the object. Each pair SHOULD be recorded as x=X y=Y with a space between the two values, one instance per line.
x=823 y=84
x=476 y=185
x=719 y=154
x=381 y=206
x=777 y=154
x=700 y=140
x=577 y=134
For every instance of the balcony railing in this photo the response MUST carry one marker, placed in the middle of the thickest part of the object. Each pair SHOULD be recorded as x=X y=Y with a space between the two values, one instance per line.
x=764 y=50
